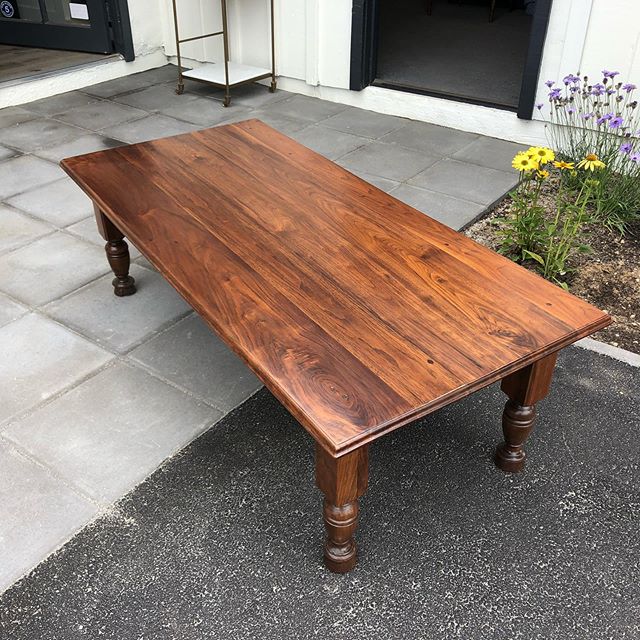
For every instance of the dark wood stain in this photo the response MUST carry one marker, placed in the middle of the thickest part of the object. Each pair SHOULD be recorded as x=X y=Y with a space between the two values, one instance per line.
x=358 y=312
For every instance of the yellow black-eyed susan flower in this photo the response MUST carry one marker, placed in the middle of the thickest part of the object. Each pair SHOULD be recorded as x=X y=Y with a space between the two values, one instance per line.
x=591 y=162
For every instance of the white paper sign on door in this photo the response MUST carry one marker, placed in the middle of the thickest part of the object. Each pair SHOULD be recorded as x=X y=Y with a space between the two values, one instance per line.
x=79 y=11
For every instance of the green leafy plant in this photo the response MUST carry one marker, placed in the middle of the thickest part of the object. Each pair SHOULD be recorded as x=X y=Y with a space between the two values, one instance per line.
x=529 y=232
x=560 y=237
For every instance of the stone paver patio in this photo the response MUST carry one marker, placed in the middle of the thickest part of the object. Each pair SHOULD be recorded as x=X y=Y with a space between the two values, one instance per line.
x=97 y=391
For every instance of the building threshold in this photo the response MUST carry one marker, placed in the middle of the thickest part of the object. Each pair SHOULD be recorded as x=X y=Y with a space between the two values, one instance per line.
x=50 y=82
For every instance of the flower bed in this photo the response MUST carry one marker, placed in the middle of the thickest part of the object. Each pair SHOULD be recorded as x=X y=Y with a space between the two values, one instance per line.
x=575 y=215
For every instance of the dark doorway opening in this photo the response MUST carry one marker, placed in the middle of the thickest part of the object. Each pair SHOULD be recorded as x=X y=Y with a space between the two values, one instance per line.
x=480 y=51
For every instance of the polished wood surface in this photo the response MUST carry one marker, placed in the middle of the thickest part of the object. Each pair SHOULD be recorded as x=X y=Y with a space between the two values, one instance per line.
x=358 y=312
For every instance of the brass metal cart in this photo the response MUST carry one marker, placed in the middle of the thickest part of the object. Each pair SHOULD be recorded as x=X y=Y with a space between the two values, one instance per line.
x=227 y=75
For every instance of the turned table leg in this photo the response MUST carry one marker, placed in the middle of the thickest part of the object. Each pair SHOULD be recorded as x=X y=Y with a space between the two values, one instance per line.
x=524 y=388
x=117 y=254
x=342 y=480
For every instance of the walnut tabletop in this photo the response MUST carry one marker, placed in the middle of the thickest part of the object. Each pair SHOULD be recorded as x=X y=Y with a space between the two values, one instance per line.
x=358 y=312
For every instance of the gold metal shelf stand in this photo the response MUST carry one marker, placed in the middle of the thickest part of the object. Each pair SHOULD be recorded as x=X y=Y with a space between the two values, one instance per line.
x=230 y=74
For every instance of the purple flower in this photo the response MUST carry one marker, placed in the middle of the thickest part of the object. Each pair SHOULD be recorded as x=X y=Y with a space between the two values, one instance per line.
x=570 y=79
x=635 y=157
x=549 y=83
x=554 y=94
x=597 y=89
x=629 y=87
x=571 y=110
x=610 y=74
x=539 y=106
x=626 y=148
x=587 y=116
x=616 y=122
x=610 y=91
x=605 y=118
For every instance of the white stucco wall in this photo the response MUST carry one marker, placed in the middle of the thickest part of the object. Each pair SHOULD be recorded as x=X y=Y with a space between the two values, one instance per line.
x=147 y=25
x=613 y=39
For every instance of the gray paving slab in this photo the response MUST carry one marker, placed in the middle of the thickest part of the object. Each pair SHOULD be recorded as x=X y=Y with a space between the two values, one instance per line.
x=6 y=153
x=388 y=161
x=11 y=116
x=121 y=323
x=453 y=212
x=329 y=142
x=87 y=229
x=83 y=144
x=376 y=181
x=282 y=123
x=192 y=356
x=17 y=229
x=41 y=358
x=165 y=73
x=50 y=267
x=59 y=103
x=305 y=108
x=205 y=112
x=107 y=434
x=26 y=172
x=37 y=134
x=253 y=95
x=466 y=181
x=364 y=123
x=10 y=310
x=59 y=203
x=99 y=115
x=490 y=152
x=160 y=96
x=149 y=128
x=125 y=84
x=430 y=138
x=38 y=513
x=142 y=261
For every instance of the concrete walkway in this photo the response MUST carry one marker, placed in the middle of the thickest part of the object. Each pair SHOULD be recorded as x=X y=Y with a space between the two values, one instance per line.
x=95 y=391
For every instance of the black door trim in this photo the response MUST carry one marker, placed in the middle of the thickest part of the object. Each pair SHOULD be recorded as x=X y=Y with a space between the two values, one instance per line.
x=364 y=43
x=118 y=11
x=364 y=51
x=532 y=64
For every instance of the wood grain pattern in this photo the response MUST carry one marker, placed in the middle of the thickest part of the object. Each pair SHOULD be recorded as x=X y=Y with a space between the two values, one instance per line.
x=358 y=312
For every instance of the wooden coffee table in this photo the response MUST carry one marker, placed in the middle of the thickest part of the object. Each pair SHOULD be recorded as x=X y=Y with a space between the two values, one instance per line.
x=359 y=313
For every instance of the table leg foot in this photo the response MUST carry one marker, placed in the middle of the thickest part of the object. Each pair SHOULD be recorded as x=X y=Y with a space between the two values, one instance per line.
x=524 y=389
x=342 y=480
x=340 y=546
x=517 y=423
x=118 y=255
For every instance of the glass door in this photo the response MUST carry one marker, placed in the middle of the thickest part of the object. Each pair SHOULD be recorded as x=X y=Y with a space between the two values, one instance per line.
x=78 y=25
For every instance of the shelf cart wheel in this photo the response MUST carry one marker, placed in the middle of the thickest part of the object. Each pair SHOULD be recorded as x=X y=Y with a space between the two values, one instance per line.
x=227 y=101
x=272 y=88
x=180 y=88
